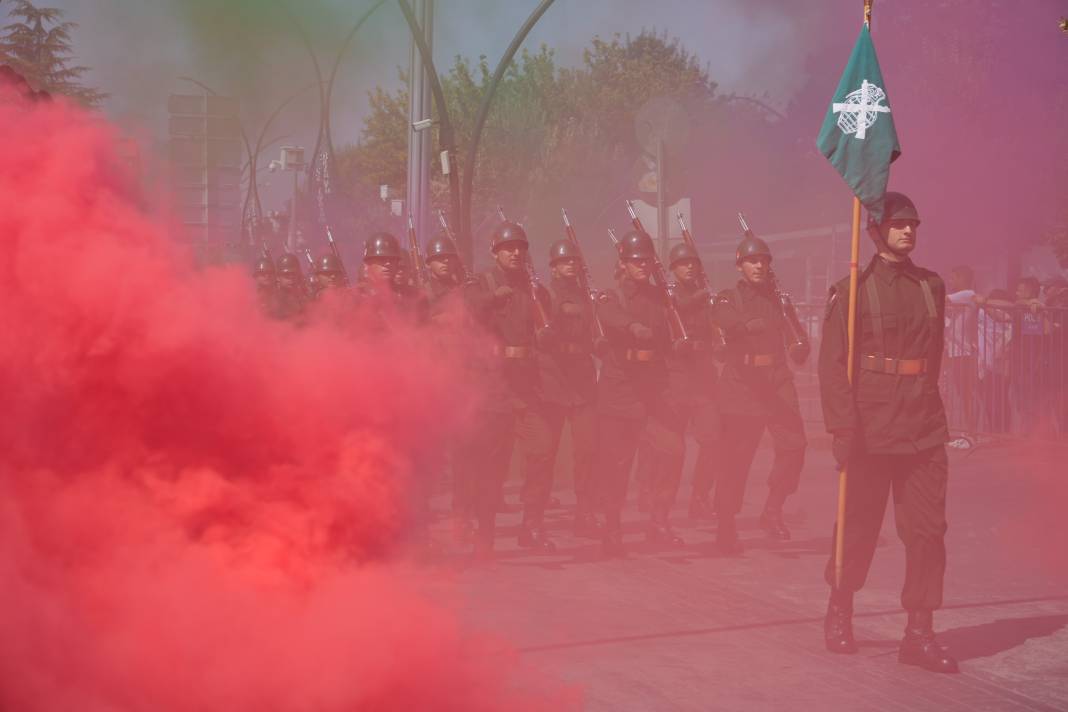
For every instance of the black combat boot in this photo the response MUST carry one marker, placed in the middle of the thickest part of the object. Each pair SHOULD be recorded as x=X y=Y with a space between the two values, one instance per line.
x=660 y=532
x=920 y=647
x=838 y=624
x=532 y=535
x=727 y=535
x=612 y=539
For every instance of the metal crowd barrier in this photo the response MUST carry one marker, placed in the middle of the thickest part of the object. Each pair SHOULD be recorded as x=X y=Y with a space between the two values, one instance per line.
x=1004 y=370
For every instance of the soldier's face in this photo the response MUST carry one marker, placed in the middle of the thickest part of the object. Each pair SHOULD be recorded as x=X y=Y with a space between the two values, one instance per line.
x=381 y=269
x=900 y=235
x=510 y=255
x=685 y=270
x=566 y=268
x=288 y=280
x=755 y=269
x=330 y=280
x=638 y=269
x=265 y=280
x=440 y=267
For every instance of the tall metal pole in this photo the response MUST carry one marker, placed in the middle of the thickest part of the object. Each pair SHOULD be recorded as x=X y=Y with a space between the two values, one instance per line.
x=661 y=203
x=419 y=108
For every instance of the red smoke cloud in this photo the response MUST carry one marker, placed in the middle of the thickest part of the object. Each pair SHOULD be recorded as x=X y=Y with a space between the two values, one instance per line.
x=197 y=503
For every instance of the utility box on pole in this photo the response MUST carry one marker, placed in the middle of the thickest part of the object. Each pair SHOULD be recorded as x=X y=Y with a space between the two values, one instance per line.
x=205 y=161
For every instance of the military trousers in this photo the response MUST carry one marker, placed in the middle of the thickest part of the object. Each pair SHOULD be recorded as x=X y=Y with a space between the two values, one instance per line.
x=741 y=436
x=583 y=420
x=663 y=448
x=918 y=482
x=488 y=455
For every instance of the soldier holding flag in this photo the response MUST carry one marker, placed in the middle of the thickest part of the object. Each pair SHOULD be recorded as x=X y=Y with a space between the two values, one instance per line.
x=879 y=363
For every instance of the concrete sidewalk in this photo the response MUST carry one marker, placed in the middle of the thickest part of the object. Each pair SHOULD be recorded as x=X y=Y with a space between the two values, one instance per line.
x=690 y=630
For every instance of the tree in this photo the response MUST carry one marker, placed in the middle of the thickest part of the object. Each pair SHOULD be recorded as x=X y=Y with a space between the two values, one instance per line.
x=39 y=48
x=552 y=134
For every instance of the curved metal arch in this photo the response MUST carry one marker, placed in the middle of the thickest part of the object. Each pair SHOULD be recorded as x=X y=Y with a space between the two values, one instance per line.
x=484 y=107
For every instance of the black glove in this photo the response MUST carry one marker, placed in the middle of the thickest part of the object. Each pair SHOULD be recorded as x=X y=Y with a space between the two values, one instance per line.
x=545 y=338
x=842 y=449
x=682 y=346
x=641 y=332
x=754 y=326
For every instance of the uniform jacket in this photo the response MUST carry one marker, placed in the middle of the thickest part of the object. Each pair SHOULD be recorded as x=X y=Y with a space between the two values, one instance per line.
x=753 y=325
x=568 y=373
x=628 y=387
x=693 y=372
x=511 y=322
x=891 y=413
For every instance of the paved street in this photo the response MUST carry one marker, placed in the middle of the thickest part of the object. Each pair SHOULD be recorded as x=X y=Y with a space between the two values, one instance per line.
x=690 y=630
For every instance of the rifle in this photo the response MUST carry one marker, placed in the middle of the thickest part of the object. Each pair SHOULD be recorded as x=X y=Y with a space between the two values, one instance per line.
x=585 y=281
x=660 y=277
x=797 y=336
x=312 y=285
x=337 y=253
x=462 y=276
x=702 y=276
x=535 y=283
x=418 y=265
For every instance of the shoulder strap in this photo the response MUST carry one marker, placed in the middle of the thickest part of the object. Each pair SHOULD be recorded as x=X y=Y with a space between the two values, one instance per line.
x=928 y=297
x=875 y=308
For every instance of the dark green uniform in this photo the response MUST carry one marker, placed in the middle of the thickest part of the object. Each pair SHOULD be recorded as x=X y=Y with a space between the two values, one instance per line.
x=894 y=419
x=632 y=401
x=757 y=393
x=569 y=380
x=514 y=413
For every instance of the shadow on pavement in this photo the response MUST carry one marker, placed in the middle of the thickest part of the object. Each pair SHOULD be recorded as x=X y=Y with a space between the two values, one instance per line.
x=981 y=641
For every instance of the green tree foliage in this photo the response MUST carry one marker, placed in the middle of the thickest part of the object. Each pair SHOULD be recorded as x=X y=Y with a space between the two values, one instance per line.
x=38 y=46
x=550 y=132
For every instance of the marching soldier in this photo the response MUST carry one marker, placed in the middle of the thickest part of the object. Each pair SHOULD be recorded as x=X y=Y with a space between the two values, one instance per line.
x=266 y=285
x=889 y=431
x=693 y=373
x=292 y=290
x=757 y=393
x=443 y=272
x=329 y=274
x=631 y=395
x=569 y=378
x=515 y=414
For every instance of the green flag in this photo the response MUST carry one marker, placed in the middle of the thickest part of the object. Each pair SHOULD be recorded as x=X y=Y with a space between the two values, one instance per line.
x=858 y=135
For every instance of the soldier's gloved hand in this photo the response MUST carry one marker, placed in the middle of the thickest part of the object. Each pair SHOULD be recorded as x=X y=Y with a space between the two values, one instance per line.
x=682 y=346
x=601 y=347
x=503 y=293
x=799 y=353
x=641 y=332
x=842 y=448
x=571 y=309
x=755 y=326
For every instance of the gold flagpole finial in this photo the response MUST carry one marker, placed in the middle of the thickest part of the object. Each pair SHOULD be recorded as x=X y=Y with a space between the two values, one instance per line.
x=867 y=12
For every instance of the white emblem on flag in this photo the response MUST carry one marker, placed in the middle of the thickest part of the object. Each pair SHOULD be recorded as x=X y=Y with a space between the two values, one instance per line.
x=860 y=109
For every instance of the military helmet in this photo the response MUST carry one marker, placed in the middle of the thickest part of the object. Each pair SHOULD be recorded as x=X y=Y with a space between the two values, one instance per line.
x=508 y=232
x=682 y=251
x=563 y=250
x=441 y=246
x=382 y=244
x=289 y=264
x=264 y=265
x=751 y=246
x=636 y=245
x=898 y=206
x=329 y=264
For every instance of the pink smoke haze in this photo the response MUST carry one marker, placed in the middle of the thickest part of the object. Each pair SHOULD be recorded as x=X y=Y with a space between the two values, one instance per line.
x=198 y=506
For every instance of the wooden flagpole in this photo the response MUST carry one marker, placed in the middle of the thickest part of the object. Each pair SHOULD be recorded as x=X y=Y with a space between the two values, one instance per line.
x=851 y=331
